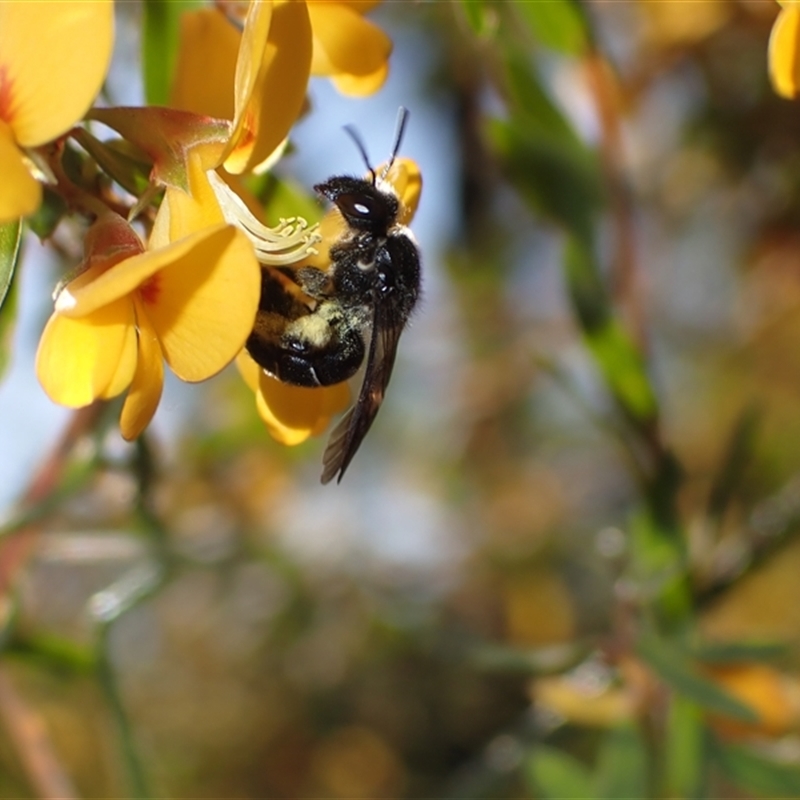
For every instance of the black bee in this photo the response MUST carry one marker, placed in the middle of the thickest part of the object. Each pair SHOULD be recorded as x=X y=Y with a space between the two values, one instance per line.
x=314 y=327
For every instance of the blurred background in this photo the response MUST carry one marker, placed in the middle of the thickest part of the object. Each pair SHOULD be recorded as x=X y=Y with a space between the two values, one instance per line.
x=564 y=562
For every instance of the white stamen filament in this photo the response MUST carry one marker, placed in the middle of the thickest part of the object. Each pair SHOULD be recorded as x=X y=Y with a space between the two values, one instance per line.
x=292 y=240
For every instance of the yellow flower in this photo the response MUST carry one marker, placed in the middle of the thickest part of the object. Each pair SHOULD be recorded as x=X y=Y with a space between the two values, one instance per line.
x=189 y=299
x=349 y=49
x=53 y=60
x=284 y=41
x=784 y=50
x=293 y=413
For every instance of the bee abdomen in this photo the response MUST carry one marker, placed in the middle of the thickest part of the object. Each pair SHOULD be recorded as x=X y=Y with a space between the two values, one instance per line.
x=318 y=349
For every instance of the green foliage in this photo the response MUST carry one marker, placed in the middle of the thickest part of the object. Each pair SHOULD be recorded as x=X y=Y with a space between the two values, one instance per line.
x=160 y=36
x=669 y=660
x=558 y=24
x=762 y=776
x=622 y=768
x=10 y=245
x=553 y=774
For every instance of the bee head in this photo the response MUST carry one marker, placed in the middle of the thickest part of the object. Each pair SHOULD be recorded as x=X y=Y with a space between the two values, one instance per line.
x=364 y=206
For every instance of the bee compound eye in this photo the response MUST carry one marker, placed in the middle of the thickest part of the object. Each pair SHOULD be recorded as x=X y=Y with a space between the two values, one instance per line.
x=356 y=205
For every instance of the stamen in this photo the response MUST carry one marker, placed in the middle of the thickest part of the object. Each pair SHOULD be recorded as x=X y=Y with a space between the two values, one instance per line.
x=292 y=240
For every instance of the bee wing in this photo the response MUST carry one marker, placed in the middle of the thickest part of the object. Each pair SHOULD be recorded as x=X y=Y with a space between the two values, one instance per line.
x=347 y=436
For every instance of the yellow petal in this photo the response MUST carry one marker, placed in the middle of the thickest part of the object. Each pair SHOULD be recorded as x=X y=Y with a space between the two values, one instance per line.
x=203 y=305
x=335 y=399
x=53 y=60
x=784 y=45
x=406 y=178
x=206 y=37
x=90 y=291
x=270 y=91
x=20 y=193
x=145 y=392
x=345 y=42
x=291 y=413
x=361 y=85
x=192 y=211
x=249 y=370
x=80 y=360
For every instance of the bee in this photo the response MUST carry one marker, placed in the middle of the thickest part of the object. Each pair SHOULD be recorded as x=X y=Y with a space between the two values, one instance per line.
x=315 y=327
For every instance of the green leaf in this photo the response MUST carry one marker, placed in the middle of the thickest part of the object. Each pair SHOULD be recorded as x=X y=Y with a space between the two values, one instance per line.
x=475 y=13
x=757 y=774
x=53 y=652
x=10 y=240
x=555 y=178
x=624 y=370
x=120 y=160
x=533 y=661
x=670 y=661
x=528 y=100
x=552 y=774
x=740 y=652
x=737 y=458
x=160 y=34
x=684 y=749
x=622 y=766
x=616 y=355
x=51 y=210
x=558 y=24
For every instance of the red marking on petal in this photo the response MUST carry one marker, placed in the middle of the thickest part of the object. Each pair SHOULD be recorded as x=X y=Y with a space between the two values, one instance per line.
x=150 y=290
x=6 y=94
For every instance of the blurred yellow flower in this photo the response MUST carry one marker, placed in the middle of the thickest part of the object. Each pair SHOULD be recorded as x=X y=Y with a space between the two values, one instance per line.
x=784 y=50
x=293 y=413
x=189 y=299
x=350 y=50
x=53 y=60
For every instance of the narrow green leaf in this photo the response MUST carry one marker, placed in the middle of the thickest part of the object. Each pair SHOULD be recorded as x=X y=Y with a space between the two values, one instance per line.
x=558 y=24
x=528 y=99
x=10 y=240
x=533 y=661
x=555 y=178
x=738 y=652
x=45 y=219
x=673 y=665
x=475 y=15
x=53 y=652
x=684 y=755
x=160 y=29
x=552 y=774
x=623 y=367
x=120 y=160
x=757 y=774
x=622 y=766
x=617 y=357
x=735 y=462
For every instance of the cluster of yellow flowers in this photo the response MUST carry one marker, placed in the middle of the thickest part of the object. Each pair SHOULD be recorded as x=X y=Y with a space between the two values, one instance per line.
x=189 y=296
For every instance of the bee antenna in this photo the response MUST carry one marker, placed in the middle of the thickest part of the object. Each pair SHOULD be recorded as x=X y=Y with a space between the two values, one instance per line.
x=402 y=119
x=354 y=135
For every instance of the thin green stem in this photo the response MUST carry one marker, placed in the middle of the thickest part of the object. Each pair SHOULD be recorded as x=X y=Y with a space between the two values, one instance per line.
x=137 y=777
